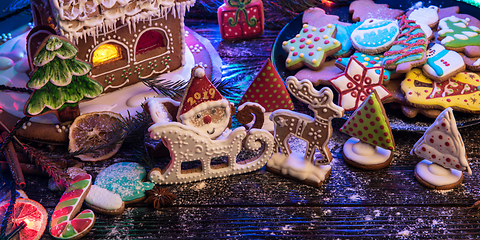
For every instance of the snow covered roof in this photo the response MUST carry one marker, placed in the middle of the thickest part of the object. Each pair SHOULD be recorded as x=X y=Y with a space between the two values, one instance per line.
x=78 y=18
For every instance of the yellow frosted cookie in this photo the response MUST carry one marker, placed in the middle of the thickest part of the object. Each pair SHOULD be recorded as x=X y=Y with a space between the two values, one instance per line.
x=460 y=92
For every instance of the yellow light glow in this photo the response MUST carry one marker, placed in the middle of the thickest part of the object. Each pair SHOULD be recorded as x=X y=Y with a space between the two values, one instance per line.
x=106 y=52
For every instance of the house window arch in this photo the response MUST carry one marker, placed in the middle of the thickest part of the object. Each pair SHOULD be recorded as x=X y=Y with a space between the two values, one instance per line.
x=151 y=43
x=105 y=54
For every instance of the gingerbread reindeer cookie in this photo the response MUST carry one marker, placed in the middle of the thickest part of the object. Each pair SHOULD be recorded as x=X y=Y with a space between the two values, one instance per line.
x=315 y=131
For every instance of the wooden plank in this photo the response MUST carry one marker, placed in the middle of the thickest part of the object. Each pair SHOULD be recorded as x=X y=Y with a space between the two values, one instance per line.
x=286 y=222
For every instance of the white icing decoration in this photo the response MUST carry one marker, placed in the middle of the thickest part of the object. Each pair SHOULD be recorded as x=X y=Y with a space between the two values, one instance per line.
x=295 y=166
x=104 y=199
x=424 y=171
x=157 y=110
x=364 y=153
x=460 y=24
x=428 y=16
x=426 y=29
x=79 y=21
x=442 y=143
x=187 y=144
x=470 y=34
x=476 y=63
x=447 y=39
x=460 y=36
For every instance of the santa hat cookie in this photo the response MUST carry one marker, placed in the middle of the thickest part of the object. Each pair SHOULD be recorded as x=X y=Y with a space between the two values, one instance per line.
x=203 y=107
x=372 y=141
x=199 y=95
x=269 y=91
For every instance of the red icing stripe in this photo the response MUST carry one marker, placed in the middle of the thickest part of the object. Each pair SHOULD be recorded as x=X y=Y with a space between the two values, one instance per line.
x=81 y=224
x=57 y=230
x=62 y=212
x=73 y=194
x=81 y=177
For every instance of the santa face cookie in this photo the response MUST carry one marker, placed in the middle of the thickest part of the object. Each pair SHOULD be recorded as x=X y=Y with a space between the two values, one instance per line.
x=311 y=46
x=442 y=64
x=203 y=107
x=374 y=35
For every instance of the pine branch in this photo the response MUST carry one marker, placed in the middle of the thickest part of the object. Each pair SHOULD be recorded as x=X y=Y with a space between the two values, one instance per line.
x=131 y=129
x=166 y=87
x=16 y=89
x=48 y=165
x=229 y=89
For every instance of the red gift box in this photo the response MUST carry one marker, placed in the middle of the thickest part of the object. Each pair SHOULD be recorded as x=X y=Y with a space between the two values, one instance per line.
x=239 y=19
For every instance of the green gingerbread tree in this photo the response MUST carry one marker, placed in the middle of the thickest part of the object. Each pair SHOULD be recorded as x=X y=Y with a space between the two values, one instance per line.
x=370 y=125
x=60 y=81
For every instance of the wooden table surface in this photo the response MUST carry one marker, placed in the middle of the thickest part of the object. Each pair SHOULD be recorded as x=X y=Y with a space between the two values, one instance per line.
x=351 y=204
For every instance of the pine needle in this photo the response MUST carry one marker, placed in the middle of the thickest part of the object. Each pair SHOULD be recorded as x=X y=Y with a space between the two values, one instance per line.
x=166 y=87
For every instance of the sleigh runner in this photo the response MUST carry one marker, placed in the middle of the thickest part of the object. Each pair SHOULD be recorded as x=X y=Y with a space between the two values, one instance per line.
x=187 y=144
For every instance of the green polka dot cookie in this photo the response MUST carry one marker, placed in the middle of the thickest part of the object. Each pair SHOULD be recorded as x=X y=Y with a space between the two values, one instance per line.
x=369 y=124
x=268 y=90
x=311 y=46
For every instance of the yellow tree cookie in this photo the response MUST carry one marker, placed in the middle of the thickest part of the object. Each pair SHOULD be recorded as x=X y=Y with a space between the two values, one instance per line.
x=460 y=92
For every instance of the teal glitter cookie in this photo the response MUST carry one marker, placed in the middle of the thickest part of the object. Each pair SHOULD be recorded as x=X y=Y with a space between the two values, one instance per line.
x=125 y=179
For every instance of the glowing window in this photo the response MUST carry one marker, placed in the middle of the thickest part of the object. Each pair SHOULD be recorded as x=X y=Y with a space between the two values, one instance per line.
x=149 y=40
x=106 y=53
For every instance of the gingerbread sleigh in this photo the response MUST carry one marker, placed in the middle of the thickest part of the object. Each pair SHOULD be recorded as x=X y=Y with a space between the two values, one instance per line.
x=202 y=133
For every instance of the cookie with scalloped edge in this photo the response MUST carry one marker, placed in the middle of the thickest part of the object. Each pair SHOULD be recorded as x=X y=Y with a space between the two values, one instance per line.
x=364 y=9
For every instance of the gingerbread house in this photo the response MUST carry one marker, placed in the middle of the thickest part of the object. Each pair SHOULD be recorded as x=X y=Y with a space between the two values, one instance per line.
x=125 y=40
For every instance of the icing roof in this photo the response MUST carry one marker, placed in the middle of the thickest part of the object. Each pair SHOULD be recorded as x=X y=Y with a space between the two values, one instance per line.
x=79 y=17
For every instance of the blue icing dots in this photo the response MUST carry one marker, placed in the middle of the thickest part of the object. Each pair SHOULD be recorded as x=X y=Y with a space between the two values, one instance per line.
x=375 y=35
x=377 y=38
x=125 y=179
x=373 y=23
x=368 y=61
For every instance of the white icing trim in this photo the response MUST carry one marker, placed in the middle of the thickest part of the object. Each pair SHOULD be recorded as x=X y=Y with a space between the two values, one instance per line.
x=424 y=171
x=117 y=86
x=295 y=166
x=364 y=153
x=476 y=63
x=187 y=144
x=206 y=105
